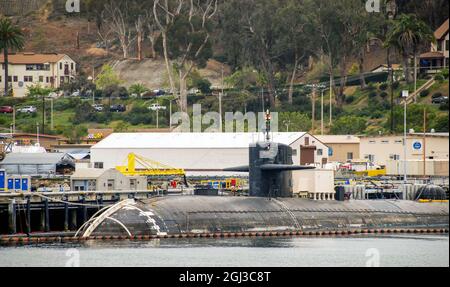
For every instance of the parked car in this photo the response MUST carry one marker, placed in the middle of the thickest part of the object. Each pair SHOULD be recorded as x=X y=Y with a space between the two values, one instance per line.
x=440 y=100
x=6 y=110
x=159 y=93
x=157 y=107
x=118 y=108
x=98 y=108
x=27 y=110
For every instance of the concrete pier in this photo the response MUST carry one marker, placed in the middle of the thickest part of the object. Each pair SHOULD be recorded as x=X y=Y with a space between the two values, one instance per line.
x=55 y=211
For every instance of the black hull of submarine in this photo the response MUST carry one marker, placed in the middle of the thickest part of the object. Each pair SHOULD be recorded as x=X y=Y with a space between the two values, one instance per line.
x=198 y=215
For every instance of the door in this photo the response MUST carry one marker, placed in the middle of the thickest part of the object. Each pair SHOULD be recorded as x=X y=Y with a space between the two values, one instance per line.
x=307 y=155
x=111 y=184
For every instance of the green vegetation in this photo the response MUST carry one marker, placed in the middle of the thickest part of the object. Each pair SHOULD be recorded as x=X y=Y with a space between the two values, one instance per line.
x=11 y=39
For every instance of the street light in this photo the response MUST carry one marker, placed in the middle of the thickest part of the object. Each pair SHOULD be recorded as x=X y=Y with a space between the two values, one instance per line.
x=391 y=12
x=405 y=95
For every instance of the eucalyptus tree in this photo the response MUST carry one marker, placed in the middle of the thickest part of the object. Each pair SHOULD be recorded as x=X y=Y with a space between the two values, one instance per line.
x=185 y=39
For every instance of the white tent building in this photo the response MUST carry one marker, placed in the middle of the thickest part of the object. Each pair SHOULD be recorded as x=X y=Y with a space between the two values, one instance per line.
x=200 y=152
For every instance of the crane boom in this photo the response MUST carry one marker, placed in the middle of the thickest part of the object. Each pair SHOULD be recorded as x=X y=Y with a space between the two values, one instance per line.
x=149 y=167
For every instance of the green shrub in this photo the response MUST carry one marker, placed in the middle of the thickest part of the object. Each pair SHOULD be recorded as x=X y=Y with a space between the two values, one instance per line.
x=373 y=94
x=396 y=85
x=350 y=99
x=439 y=77
x=383 y=95
x=424 y=93
x=384 y=86
x=444 y=73
x=371 y=87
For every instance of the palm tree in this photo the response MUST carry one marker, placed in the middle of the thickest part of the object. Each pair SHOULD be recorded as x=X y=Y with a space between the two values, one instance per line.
x=407 y=35
x=11 y=38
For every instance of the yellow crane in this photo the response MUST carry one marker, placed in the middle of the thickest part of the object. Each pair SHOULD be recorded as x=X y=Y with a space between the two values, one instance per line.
x=149 y=167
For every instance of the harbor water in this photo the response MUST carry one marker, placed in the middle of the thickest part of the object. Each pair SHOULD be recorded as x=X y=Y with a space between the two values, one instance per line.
x=358 y=251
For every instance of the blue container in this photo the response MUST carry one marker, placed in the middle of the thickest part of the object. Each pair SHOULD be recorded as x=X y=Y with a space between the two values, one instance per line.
x=10 y=184
x=17 y=184
x=25 y=184
x=2 y=180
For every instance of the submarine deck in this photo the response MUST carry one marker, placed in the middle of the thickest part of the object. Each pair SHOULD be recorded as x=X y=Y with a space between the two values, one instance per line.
x=197 y=214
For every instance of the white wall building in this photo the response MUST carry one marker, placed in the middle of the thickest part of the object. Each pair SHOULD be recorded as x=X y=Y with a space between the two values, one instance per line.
x=380 y=150
x=200 y=151
x=29 y=69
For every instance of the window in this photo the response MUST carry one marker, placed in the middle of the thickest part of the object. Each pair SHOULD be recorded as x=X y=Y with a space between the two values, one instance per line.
x=349 y=156
x=41 y=79
x=307 y=141
x=111 y=184
x=9 y=79
x=394 y=157
x=385 y=142
x=320 y=152
x=294 y=152
x=92 y=185
x=370 y=157
x=399 y=141
x=330 y=151
x=28 y=78
x=133 y=184
x=98 y=165
x=0 y=78
x=47 y=80
x=372 y=142
x=71 y=66
x=60 y=66
x=446 y=45
x=62 y=80
x=16 y=79
x=440 y=45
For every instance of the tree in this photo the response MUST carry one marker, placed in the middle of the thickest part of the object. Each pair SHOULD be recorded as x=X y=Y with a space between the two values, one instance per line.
x=116 y=15
x=297 y=42
x=107 y=77
x=407 y=36
x=138 y=89
x=349 y=125
x=75 y=134
x=186 y=39
x=11 y=38
x=294 y=122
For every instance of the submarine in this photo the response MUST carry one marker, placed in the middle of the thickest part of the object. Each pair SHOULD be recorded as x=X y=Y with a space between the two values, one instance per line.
x=270 y=207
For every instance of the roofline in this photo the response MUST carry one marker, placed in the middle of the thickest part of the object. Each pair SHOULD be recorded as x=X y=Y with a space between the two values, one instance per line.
x=23 y=53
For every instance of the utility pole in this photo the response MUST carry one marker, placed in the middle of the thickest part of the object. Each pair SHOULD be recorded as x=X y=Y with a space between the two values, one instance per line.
x=321 y=114
x=51 y=115
x=424 y=142
x=415 y=76
x=170 y=115
x=14 y=121
x=262 y=100
x=405 y=96
x=331 y=99
x=220 y=103
x=157 y=118
x=313 y=114
x=43 y=114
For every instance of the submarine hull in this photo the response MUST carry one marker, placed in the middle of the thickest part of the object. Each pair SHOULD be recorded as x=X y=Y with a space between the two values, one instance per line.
x=196 y=214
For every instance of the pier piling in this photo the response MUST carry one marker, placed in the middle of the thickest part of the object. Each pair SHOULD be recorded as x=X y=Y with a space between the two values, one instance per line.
x=66 y=215
x=12 y=217
x=46 y=216
x=28 y=216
